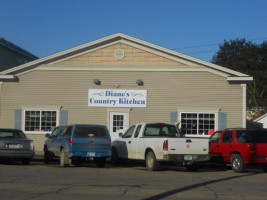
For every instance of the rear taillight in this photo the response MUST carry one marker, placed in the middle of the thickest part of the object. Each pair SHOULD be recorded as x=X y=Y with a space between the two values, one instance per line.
x=165 y=145
x=71 y=142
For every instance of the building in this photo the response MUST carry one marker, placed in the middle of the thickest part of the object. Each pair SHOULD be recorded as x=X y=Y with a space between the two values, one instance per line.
x=117 y=81
x=11 y=55
x=262 y=119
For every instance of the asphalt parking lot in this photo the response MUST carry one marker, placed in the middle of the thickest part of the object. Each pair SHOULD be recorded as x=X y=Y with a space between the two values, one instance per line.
x=127 y=181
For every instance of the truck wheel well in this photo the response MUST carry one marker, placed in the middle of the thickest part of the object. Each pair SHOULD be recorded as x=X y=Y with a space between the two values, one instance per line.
x=147 y=150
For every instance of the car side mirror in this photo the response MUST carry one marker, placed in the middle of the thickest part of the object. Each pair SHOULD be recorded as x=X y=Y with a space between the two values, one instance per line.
x=120 y=134
x=47 y=135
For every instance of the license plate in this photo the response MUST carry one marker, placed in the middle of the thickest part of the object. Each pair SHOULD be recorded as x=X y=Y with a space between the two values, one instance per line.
x=91 y=154
x=188 y=157
x=14 y=146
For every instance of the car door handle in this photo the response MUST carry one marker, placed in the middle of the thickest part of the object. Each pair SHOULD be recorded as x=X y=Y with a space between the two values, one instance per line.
x=218 y=145
x=129 y=142
x=230 y=146
x=188 y=141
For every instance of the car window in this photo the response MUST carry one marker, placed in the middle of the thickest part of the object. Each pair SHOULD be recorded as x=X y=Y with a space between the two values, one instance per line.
x=161 y=130
x=91 y=131
x=227 y=137
x=66 y=131
x=215 y=137
x=55 y=132
x=12 y=134
x=259 y=136
x=129 y=132
x=243 y=136
x=137 y=130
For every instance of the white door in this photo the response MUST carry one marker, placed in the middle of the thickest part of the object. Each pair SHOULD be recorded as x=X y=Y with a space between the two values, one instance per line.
x=117 y=123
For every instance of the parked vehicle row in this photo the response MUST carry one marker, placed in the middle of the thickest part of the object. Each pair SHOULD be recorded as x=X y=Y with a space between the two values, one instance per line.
x=153 y=143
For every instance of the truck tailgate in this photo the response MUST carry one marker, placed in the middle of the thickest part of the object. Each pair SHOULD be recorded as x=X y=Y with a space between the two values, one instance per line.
x=188 y=146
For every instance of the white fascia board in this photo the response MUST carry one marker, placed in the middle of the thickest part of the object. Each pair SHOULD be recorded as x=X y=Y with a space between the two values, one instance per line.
x=7 y=77
x=246 y=78
x=261 y=117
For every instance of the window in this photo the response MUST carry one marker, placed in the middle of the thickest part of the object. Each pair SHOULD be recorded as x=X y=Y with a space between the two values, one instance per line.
x=90 y=131
x=197 y=123
x=137 y=131
x=227 y=137
x=117 y=122
x=40 y=121
x=215 y=137
x=66 y=131
x=164 y=130
x=129 y=132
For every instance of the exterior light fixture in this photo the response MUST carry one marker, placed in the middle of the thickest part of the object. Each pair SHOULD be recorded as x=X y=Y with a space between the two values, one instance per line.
x=97 y=82
x=140 y=82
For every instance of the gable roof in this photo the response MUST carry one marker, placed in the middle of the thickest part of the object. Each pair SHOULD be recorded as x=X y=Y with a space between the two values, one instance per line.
x=259 y=117
x=233 y=75
x=16 y=48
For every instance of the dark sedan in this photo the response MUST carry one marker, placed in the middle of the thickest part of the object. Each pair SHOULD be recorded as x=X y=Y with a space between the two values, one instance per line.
x=15 y=146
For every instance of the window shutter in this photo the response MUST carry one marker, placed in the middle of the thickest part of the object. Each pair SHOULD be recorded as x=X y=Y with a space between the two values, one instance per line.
x=63 y=117
x=173 y=117
x=18 y=116
x=222 y=120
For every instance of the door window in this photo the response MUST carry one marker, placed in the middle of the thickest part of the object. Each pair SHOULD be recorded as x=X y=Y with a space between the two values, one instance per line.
x=227 y=137
x=129 y=132
x=215 y=137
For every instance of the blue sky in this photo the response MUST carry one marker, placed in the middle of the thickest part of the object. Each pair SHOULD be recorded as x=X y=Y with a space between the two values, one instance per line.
x=192 y=27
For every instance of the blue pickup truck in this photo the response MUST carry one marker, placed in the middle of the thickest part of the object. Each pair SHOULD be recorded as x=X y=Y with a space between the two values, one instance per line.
x=76 y=144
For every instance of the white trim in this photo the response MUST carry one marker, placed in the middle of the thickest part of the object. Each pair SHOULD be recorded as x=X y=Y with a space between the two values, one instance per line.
x=39 y=108
x=132 y=39
x=261 y=117
x=128 y=68
x=247 y=78
x=202 y=112
x=244 y=100
x=7 y=76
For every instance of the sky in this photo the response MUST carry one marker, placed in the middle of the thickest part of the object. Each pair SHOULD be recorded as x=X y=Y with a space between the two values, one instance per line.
x=192 y=27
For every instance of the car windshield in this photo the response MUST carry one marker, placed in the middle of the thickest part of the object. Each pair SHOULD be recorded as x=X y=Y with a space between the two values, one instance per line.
x=161 y=130
x=11 y=134
x=90 y=131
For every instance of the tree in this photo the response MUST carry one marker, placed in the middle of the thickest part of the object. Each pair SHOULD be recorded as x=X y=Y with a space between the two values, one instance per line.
x=248 y=58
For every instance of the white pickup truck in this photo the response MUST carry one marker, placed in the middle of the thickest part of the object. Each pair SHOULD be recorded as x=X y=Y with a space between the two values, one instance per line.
x=157 y=143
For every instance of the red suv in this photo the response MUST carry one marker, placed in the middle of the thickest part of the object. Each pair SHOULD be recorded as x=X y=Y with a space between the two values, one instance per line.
x=240 y=147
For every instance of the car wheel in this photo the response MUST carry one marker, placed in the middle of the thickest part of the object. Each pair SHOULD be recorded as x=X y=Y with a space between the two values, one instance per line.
x=100 y=162
x=192 y=168
x=63 y=159
x=114 y=157
x=151 y=162
x=264 y=167
x=26 y=161
x=238 y=164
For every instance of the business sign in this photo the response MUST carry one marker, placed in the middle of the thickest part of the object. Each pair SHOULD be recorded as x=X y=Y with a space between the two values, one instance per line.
x=117 y=98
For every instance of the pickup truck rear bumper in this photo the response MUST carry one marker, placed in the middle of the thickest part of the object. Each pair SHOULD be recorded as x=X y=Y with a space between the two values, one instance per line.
x=186 y=158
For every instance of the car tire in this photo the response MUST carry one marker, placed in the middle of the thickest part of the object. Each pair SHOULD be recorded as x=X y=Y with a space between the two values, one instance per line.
x=114 y=157
x=264 y=167
x=151 y=162
x=64 y=161
x=26 y=161
x=192 y=168
x=100 y=162
x=238 y=164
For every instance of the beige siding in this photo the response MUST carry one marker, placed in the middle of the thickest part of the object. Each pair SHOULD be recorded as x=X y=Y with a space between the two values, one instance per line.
x=166 y=92
x=133 y=56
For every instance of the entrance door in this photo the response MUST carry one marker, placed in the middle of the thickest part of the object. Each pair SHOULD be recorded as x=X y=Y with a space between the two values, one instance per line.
x=117 y=123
